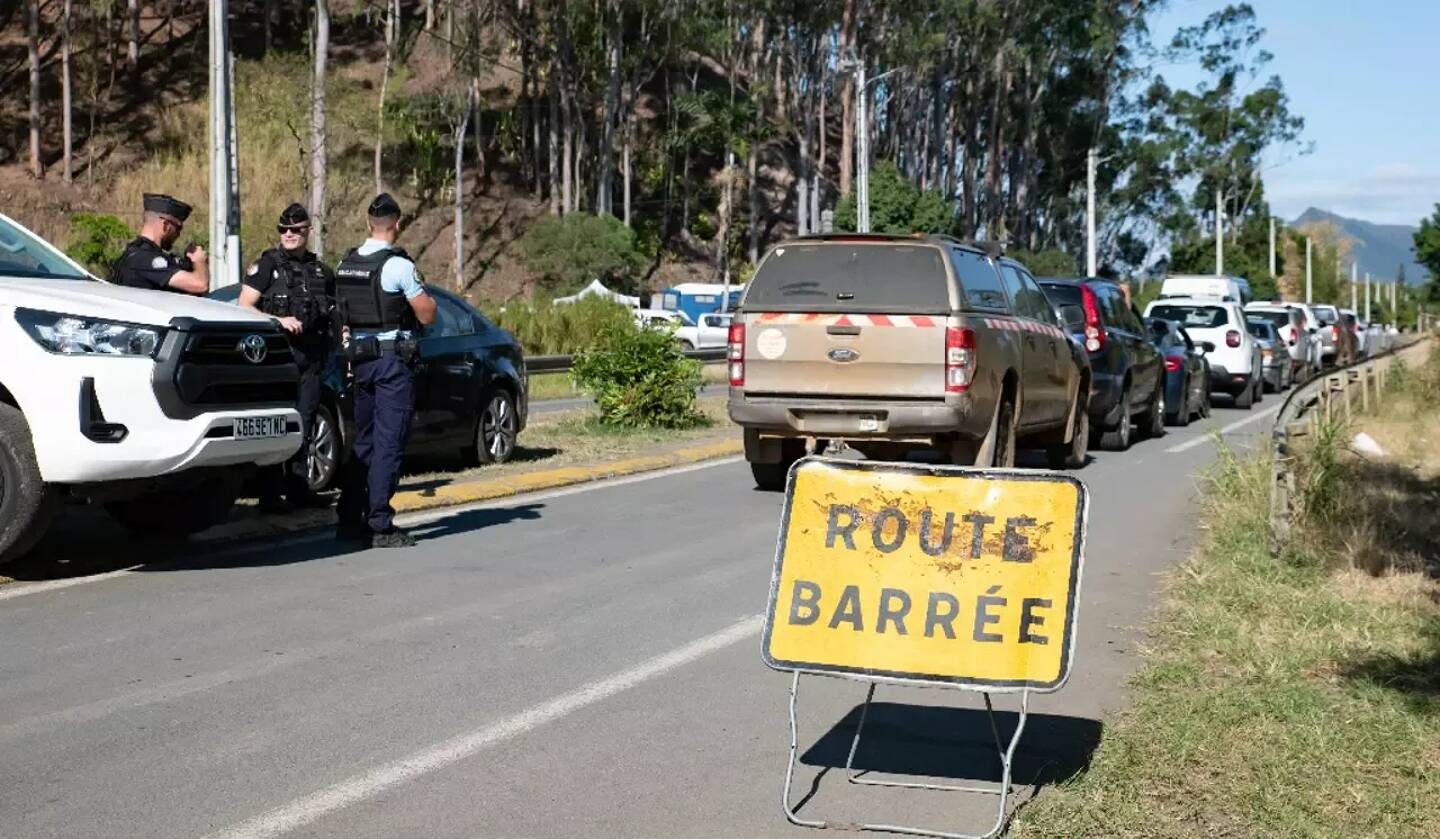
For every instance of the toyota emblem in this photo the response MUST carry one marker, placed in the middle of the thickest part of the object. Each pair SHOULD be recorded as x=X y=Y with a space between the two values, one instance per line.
x=253 y=348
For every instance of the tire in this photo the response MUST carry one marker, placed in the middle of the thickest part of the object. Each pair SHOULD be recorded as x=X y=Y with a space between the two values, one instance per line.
x=771 y=477
x=687 y=346
x=179 y=512
x=1073 y=455
x=1245 y=398
x=1181 y=417
x=1260 y=390
x=497 y=429
x=1205 y=404
x=1153 y=425
x=26 y=504
x=1002 y=453
x=323 y=462
x=1118 y=438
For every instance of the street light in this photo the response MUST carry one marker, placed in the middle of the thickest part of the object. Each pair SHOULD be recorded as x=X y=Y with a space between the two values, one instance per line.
x=862 y=141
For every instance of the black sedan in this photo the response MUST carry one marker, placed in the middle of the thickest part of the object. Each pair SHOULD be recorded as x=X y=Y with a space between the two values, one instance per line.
x=471 y=393
x=1187 y=372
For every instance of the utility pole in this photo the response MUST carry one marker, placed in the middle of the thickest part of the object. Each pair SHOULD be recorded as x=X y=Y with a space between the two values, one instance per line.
x=1219 y=233
x=224 y=247
x=1272 y=247
x=1367 y=296
x=1354 y=278
x=1308 y=287
x=862 y=153
x=1092 y=162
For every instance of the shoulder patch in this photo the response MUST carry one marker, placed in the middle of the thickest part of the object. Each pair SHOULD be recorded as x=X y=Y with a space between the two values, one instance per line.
x=253 y=269
x=159 y=262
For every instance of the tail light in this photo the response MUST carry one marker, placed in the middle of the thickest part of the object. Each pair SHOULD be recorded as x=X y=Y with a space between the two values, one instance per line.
x=1293 y=336
x=1232 y=338
x=1335 y=332
x=1094 y=332
x=736 y=354
x=959 y=359
x=1173 y=363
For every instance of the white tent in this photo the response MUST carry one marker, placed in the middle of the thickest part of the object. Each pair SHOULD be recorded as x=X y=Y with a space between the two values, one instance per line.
x=597 y=288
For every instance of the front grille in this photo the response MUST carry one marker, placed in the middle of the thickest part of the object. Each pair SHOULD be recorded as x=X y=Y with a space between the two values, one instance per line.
x=206 y=368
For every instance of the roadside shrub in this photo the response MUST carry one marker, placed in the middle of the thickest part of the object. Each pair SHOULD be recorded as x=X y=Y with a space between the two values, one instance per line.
x=570 y=251
x=97 y=240
x=544 y=328
x=640 y=379
x=897 y=205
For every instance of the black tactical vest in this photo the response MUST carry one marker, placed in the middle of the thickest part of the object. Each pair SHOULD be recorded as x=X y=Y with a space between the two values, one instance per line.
x=298 y=291
x=364 y=303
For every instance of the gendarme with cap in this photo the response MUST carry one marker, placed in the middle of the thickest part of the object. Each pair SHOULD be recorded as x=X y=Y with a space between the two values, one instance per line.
x=370 y=308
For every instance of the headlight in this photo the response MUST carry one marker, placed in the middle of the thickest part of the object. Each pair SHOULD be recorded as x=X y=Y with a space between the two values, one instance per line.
x=74 y=335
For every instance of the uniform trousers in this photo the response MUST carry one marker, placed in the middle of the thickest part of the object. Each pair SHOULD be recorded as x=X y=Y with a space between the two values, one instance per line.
x=384 y=392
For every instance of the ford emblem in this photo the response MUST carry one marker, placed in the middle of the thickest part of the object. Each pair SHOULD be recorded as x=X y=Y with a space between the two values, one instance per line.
x=843 y=355
x=253 y=348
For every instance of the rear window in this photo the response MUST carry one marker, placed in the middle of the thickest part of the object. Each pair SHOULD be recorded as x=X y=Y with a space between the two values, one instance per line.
x=1261 y=329
x=1279 y=320
x=1062 y=293
x=849 y=277
x=1325 y=314
x=1191 y=317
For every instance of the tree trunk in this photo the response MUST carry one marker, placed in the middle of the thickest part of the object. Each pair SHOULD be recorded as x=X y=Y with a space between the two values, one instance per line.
x=817 y=181
x=392 y=25
x=752 y=183
x=32 y=20
x=318 y=139
x=847 y=99
x=553 y=157
x=132 y=51
x=567 y=157
x=480 y=168
x=625 y=162
x=995 y=153
x=430 y=15
x=460 y=132
x=605 y=157
x=268 y=25
x=68 y=137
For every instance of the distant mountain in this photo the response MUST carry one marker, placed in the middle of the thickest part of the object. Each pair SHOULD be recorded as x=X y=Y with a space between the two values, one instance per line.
x=1379 y=248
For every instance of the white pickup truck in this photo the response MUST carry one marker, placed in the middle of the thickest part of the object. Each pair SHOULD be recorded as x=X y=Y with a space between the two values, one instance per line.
x=154 y=404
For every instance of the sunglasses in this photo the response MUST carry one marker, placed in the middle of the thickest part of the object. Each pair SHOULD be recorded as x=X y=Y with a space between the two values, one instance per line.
x=298 y=231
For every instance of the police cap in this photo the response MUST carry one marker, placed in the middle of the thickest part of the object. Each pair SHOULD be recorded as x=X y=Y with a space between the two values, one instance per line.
x=294 y=215
x=166 y=206
x=384 y=207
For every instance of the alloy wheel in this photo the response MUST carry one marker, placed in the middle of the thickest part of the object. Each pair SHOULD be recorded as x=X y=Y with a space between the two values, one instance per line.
x=324 y=454
x=498 y=429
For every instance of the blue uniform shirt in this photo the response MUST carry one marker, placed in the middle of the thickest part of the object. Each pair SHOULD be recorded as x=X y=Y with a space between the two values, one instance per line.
x=398 y=276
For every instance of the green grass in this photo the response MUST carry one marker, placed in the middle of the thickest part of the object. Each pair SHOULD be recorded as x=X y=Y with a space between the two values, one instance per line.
x=1281 y=698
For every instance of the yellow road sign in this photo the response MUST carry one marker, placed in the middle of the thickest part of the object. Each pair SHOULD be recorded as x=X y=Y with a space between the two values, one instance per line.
x=927 y=574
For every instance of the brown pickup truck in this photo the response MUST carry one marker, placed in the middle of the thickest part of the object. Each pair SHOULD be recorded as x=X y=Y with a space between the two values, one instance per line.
x=891 y=343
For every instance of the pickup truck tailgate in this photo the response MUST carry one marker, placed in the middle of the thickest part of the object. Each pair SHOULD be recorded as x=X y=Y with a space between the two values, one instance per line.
x=850 y=355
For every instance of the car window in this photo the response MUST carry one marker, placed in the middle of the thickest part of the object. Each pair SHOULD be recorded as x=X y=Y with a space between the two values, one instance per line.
x=1035 y=297
x=1275 y=318
x=1193 y=316
x=451 y=319
x=875 y=277
x=1326 y=315
x=1025 y=296
x=982 y=285
x=22 y=254
x=1185 y=337
x=1112 y=307
x=1062 y=293
x=1260 y=329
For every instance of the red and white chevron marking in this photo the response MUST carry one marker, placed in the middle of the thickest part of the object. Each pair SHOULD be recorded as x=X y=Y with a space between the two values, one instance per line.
x=899 y=321
x=1023 y=326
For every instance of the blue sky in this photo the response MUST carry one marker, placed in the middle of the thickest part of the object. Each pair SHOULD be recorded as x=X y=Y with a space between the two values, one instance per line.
x=1366 y=77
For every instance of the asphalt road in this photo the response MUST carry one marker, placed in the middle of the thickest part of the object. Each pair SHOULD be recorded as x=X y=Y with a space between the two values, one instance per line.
x=582 y=662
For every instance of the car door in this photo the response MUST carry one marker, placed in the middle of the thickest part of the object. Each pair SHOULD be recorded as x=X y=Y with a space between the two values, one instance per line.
x=1036 y=319
x=1148 y=359
x=1060 y=369
x=446 y=376
x=714 y=331
x=1127 y=338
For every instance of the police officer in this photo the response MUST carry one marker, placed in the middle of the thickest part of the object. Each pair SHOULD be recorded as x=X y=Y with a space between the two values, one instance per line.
x=147 y=261
x=292 y=285
x=383 y=305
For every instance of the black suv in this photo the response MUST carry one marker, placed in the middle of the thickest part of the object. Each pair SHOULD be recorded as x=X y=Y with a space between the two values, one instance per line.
x=1127 y=373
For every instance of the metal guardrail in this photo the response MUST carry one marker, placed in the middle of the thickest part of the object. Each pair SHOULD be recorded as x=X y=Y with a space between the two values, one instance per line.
x=562 y=363
x=1339 y=390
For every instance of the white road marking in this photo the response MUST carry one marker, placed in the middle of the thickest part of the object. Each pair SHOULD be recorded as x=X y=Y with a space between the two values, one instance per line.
x=369 y=784
x=1202 y=440
x=13 y=590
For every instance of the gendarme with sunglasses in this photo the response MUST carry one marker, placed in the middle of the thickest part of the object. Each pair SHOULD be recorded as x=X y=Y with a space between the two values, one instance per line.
x=292 y=285
x=147 y=261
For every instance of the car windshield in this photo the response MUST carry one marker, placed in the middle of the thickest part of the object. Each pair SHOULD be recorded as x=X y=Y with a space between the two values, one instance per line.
x=23 y=254
x=1191 y=316
x=851 y=277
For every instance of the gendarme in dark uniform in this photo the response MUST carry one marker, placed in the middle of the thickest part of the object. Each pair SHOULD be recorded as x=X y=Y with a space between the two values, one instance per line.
x=147 y=261
x=383 y=305
x=292 y=285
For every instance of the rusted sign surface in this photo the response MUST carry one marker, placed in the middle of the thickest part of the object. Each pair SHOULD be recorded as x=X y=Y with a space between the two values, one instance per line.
x=927 y=574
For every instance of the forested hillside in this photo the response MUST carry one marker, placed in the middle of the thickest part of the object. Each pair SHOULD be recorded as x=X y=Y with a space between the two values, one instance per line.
x=701 y=131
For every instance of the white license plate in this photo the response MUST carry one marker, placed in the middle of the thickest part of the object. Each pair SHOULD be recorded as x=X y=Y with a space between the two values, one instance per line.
x=255 y=428
x=869 y=423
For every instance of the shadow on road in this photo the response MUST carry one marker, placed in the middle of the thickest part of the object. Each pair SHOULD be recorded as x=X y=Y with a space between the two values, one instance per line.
x=957 y=743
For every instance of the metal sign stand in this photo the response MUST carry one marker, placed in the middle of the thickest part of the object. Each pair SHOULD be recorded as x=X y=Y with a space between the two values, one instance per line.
x=1005 y=753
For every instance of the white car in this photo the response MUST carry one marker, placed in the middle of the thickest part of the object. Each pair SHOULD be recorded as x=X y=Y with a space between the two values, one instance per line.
x=1289 y=321
x=712 y=331
x=1236 y=368
x=153 y=403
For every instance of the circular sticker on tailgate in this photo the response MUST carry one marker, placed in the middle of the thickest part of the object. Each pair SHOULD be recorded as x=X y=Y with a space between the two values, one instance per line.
x=771 y=344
